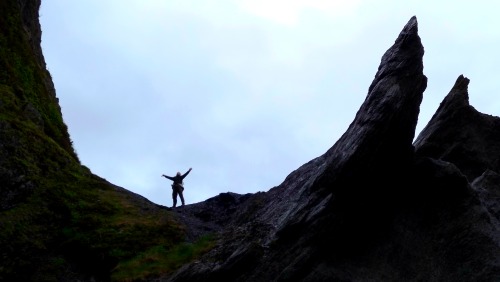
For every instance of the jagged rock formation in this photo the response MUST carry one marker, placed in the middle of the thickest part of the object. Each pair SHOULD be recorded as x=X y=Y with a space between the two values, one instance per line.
x=376 y=207
x=459 y=134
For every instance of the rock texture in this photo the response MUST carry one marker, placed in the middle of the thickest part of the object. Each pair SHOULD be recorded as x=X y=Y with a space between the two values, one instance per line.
x=374 y=207
x=459 y=134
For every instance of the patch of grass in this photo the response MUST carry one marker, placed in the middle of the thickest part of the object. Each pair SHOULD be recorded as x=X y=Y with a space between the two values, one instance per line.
x=27 y=78
x=160 y=260
x=84 y=221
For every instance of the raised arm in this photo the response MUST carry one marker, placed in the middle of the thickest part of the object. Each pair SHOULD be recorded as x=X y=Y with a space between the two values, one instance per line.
x=187 y=172
x=171 y=178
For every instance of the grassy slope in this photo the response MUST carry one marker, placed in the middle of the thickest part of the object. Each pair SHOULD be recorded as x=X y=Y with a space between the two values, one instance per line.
x=64 y=221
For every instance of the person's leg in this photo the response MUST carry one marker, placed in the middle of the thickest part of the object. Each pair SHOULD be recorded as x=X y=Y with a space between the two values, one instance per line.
x=181 y=196
x=174 y=197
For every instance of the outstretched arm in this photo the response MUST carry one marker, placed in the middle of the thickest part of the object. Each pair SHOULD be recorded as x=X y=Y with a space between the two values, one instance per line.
x=187 y=172
x=171 y=178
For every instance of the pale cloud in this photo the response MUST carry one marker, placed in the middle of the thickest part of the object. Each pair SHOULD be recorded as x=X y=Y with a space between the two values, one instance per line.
x=290 y=12
x=242 y=91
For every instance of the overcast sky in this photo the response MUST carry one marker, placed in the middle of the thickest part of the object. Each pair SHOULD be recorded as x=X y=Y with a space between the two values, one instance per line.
x=244 y=92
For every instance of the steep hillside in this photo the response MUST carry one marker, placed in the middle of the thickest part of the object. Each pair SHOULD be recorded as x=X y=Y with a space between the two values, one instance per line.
x=58 y=221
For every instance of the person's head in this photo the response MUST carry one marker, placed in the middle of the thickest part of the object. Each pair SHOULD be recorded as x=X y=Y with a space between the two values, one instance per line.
x=178 y=173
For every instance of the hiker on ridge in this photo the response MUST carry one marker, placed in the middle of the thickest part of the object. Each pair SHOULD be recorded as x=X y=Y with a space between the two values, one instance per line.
x=177 y=186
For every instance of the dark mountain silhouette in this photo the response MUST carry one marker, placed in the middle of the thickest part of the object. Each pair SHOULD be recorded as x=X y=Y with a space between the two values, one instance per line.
x=375 y=207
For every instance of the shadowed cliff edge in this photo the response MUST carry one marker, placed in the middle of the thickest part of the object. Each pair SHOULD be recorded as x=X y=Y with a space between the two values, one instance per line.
x=376 y=206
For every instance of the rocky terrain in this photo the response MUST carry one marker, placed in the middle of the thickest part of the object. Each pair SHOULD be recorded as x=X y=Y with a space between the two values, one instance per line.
x=379 y=205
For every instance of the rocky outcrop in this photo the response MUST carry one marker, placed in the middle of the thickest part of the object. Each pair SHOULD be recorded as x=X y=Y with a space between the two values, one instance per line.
x=459 y=134
x=488 y=189
x=372 y=208
x=212 y=215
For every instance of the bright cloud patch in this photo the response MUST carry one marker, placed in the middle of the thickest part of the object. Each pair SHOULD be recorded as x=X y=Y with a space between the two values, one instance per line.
x=288 y=12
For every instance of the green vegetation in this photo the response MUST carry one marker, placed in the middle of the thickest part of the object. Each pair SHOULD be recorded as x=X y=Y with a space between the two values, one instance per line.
x=25 y=73
x=160 y=260
x=57 y=219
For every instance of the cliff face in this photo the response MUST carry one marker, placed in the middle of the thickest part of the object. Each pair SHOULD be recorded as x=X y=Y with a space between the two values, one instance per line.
x=374 y=207
x=57 y=219
x=29 y=105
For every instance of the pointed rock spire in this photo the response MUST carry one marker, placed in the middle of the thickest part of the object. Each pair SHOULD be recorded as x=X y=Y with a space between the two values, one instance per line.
x=379 y=139
x=405 y=55
x=456 y=134
x=457 y=97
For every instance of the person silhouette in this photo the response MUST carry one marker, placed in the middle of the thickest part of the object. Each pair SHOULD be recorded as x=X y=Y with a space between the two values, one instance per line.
x=177 y=186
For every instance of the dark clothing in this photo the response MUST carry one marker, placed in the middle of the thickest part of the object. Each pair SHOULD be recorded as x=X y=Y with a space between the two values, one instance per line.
x=178 y=179
x=177 y=186
x=177 y=191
